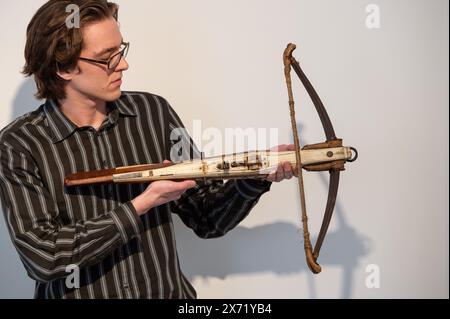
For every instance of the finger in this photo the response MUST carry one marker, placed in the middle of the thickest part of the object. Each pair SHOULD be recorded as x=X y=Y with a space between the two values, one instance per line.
x=280 y=173
x=173 y=195
x=272 y=176
x=177 y=195
x=167 y=162
x=182 y=187
x=295 y=171
x=185 y=185
x=290 y=147
x=282 y=147
x=288 y=173
x=279 y=148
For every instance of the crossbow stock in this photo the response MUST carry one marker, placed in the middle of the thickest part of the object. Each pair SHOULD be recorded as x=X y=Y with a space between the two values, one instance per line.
x=334 y=167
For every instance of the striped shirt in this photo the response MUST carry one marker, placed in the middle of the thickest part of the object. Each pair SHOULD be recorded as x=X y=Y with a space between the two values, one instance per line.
x=95 y=229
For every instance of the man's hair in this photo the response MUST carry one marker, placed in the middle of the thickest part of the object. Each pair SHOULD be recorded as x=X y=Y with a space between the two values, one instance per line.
x=54 y=43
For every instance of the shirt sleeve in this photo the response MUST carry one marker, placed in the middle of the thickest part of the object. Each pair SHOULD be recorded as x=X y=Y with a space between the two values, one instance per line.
x=46 y=246
x=213 y=207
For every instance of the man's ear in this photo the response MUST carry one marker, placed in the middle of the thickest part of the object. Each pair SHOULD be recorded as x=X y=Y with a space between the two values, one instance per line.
x=67 y=75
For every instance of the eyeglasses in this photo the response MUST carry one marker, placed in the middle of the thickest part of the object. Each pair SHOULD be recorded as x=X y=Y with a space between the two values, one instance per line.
x=114 y=60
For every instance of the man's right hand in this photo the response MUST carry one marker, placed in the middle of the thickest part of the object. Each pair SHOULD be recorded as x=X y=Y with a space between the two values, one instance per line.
x=160 y=192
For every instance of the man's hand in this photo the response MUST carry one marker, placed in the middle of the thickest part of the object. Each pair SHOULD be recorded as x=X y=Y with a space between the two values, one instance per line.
x=160 y=192
x=284 y=169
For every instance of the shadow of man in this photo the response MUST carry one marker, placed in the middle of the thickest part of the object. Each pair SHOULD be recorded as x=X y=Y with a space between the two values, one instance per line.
x=24 y=100
x=13 y=277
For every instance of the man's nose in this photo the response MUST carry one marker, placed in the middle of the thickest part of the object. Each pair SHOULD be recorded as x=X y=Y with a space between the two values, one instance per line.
x=123 y=65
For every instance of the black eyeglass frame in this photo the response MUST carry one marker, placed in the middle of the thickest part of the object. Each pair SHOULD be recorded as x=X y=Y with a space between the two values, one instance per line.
x=122 y=52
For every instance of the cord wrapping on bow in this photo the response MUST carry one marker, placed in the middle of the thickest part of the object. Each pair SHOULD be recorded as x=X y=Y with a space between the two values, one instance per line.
x=310 y=259
x=334 y=167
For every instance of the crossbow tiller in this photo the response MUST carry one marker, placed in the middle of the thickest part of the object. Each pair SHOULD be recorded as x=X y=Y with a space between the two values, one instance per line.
x=334 y=167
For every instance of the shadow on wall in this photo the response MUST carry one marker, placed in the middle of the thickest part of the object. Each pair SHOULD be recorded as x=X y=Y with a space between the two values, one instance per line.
x=276 y=248
x=14 y=281
x=25 y=101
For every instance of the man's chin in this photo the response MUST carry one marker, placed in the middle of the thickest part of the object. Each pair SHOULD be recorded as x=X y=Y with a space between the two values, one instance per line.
x=113 y=96
x=106 y=96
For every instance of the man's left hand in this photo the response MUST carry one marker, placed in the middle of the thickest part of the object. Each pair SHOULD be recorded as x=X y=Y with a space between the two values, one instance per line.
x=284 y=169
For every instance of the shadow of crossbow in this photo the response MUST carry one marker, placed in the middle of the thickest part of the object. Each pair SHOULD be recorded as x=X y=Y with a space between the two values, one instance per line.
x=275 y=248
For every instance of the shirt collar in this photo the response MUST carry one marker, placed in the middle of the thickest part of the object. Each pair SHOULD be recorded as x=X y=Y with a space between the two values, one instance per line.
x=119 y=107
x=62 y=127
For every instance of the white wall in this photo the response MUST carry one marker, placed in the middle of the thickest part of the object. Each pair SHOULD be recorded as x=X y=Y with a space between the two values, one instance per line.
x=386 y=91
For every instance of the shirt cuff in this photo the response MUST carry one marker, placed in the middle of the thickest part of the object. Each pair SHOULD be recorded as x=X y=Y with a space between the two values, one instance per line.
x=252 y=188
x=127 y=221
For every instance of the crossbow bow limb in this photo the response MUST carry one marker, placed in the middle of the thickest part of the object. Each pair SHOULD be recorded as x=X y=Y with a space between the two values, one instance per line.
x=333 y=167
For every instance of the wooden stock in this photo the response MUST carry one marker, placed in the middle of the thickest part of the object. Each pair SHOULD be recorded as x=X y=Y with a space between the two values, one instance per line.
x=106 y=175
x=254 y=164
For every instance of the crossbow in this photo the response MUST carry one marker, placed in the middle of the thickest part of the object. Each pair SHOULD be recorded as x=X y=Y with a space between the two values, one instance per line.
x=330 y=156
x=334 y=167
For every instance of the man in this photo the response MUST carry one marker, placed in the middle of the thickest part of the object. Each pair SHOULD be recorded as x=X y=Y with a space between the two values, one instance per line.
x=119 y=237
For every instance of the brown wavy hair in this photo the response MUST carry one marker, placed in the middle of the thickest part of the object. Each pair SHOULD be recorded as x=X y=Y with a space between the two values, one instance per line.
x=53 y=46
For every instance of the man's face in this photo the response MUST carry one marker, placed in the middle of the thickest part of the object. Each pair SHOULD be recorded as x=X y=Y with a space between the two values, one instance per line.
x=95 y=81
